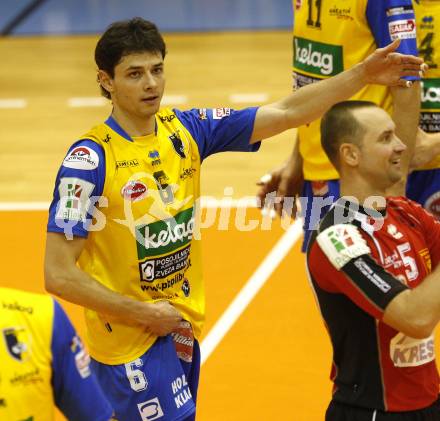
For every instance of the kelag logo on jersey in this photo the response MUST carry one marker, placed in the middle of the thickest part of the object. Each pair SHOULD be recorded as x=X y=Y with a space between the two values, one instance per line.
x=17 y=341
x=431 y=94
x=165 y=236
x=317 y=58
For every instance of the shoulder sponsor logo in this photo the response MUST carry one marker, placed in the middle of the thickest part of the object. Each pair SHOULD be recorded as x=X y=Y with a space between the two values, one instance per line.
x=219 y=113
x=167 y=118
x=82 y=357
x=81 y=158
x=342 y=243
x=127 y=163
x=74 y=195
x=150 y=410
x=399 y=10
x=18 y=342
x=134 y=191
x=317 y=58
x=402 y=29
x=165 y=236
x=410 y=352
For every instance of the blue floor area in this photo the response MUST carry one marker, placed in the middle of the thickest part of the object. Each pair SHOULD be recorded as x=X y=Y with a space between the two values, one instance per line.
x=93 y=16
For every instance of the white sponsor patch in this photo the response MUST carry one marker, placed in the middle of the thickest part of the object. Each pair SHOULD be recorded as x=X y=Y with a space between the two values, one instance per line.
x=402 y=29
x=81 y=158
x=219 y=113
x=342 y=243
x=150 y=410
x=410 y=352
x=74 y=195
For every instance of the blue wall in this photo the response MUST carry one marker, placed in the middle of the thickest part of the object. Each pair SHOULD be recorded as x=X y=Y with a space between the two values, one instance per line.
x=93 y=16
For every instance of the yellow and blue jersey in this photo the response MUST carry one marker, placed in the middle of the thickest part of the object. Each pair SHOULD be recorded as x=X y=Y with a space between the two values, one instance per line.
x=143 y=239
x=331 y=36
x=424 y=184
x=43 y=362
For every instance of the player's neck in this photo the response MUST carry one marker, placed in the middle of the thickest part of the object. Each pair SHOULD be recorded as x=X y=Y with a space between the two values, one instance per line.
x=133 y=125
x=362 y=190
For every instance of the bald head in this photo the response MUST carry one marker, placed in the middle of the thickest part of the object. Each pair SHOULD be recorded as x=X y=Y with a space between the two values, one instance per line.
x=340 y=125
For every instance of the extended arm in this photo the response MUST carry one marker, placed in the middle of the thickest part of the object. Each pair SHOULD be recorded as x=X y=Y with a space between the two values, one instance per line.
x=66 y=280
x=311 y=101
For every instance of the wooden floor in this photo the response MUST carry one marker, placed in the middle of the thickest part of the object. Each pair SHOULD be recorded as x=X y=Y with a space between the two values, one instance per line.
x=274 y=362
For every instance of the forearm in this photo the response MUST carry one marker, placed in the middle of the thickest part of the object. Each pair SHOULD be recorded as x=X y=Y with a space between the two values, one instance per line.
x=312 y=101
x=416 y=311
x=406 y=109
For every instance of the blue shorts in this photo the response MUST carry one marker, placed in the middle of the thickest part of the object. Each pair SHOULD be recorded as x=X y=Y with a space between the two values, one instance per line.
x=316 y=199
x=424 y=188
x=156 y=386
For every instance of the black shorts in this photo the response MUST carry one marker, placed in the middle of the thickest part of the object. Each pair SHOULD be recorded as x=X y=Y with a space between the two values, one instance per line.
x=341 y=412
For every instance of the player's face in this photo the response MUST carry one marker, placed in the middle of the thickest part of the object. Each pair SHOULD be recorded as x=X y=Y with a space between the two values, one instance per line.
x=138 y=84
x=381 y=150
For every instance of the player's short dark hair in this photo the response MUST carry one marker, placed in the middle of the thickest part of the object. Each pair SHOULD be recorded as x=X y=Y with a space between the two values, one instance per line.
x=125 y=37
x=339 y=125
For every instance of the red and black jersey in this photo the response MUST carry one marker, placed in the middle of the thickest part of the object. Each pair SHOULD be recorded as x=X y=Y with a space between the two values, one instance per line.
x=358 y=260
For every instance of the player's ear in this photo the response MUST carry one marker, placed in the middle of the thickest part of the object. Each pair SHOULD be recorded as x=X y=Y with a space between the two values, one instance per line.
x=105 y=80
x=349 y=154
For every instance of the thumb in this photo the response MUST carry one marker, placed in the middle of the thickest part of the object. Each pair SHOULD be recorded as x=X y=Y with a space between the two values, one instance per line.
x=391 y=47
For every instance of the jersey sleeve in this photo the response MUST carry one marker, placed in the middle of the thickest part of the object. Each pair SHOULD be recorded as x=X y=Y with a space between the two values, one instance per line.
x=76 y=391
x=339 y=261
x=78 y=186
x=220 y=129
x=393 y=19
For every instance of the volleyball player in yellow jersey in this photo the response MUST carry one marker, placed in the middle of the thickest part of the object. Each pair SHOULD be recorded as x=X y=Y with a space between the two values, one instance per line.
x=44 y=363
x=328 y=37
x=424 y=184
x=139 y=268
